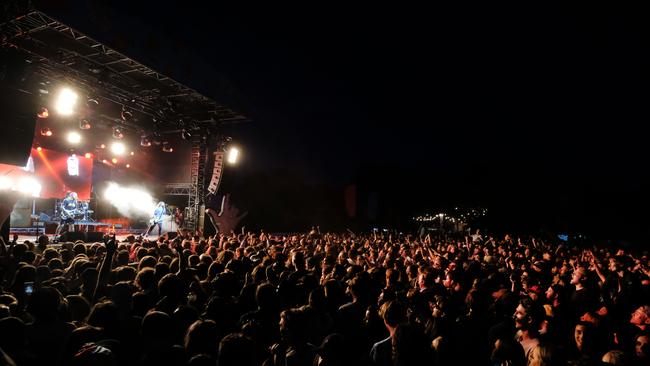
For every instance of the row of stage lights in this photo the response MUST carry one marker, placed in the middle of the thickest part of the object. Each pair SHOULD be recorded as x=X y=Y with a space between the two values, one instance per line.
x=65 y=106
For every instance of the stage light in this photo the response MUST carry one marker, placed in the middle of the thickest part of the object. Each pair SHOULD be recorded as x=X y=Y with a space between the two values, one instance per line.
x=73 y=165
x=132 y=153
x=84 y=124
x=66 y=101
x=185 y=134
x=144 y=141
x=118 y=148
x=233 y=155
x=6 y=182
x=104 y=161
x=43 y=113
x=102 y=146
x=30 y=186
x=114 y=161
x=46 y=132
x=74 y=137
x=92 y=104
x=167 y=148
x=117 y=132
x=39 y=149
x=126 y=116
x=88 y=155
x=128 y=165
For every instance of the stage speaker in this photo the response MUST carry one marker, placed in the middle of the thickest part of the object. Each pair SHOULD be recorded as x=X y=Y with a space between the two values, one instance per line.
x=73 y=236
x=91 y=237
x=19 y=107
x=94 y=236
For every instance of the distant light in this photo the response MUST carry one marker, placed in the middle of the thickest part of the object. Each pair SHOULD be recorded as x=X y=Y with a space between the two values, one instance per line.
x=118 y=148
x=102 y=146
x=66 y=101
x=46 y=132
x=104 y=161
x=132 y=153
x=74 y=137
x=88 y=155
x=233 y=155
x=114 y=160
x=43 y=113
x=128 y=165
x=167 y=148
x=39 y=149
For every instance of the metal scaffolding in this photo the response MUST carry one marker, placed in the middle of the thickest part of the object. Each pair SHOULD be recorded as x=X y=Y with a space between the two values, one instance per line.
x=196 y=203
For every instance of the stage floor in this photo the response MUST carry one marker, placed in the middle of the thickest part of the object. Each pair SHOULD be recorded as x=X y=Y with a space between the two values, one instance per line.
x=120 y=237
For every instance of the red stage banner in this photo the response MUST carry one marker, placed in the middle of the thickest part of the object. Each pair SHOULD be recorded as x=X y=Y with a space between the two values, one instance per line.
x=59 y=173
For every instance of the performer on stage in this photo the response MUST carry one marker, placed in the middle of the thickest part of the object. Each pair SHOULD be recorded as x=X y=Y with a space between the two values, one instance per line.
x=179 y=218
x=69 y=207
x=157 y=218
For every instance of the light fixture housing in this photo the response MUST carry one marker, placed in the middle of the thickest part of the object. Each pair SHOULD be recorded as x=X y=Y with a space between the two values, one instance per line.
x=84 y=124
x=117 y=132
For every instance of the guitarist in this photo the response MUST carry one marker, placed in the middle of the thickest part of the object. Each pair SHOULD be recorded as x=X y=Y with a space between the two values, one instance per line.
x=157 y=218
x=69 y=207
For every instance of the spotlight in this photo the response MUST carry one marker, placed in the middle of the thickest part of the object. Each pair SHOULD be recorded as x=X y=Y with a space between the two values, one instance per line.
x=92 y=104
x=114 y=160
x=66 y=101
x=104 y=161
x=118 y=148
x=126 y=115
x=73 y=137
x=5 y=182
x=102 y=146
x=144 y=141
x=84 y=124
x=88 y=155
x=166 y=147
x=43 y=113
x=233 y=155
x=128 y=165
x=185 y=134
x=156 y=139
x=39 y=149
x=46 y=132
x=132 y=153
x=117 y=133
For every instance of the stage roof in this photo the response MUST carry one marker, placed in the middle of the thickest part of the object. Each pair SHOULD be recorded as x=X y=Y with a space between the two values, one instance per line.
x=57 y=54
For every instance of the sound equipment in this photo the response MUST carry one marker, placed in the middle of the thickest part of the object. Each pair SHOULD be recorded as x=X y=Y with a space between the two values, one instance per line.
x=72 y=236
x=94 y=236
x=89 y=237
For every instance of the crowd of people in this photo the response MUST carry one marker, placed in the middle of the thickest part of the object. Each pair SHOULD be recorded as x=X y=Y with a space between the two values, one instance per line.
x=323 y=299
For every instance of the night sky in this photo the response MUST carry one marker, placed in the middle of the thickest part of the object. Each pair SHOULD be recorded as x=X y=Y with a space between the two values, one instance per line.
x=535 y=113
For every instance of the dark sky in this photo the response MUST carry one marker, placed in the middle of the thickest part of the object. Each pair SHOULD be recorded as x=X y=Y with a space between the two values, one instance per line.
x=520 y=108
